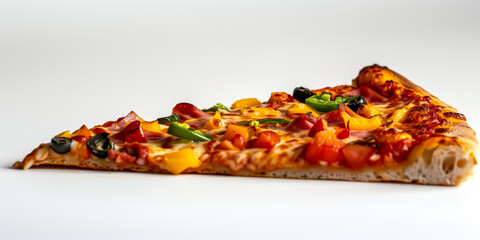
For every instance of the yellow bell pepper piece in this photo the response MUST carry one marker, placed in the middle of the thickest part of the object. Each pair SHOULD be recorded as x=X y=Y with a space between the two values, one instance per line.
x=400 y=114
x=179 y=161
x=214 y=123
x=152 y=126
x=82 y=131
x=361 y=123
x=302 y=108
x=246 y=102
x=65 y=134
x=234 y=129
x=259 y=112
x=368 y=111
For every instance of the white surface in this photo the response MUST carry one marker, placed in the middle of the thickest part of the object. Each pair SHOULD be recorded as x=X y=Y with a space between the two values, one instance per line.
x=63 y=64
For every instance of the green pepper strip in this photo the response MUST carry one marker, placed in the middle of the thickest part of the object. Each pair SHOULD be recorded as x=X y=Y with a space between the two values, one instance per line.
x=324 y=103
x=216 y=107
x=184 y=131
x=266 y=120
x=169 y=119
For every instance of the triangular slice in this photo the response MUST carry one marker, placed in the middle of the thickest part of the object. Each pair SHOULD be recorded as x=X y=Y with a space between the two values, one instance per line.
x=381 y=128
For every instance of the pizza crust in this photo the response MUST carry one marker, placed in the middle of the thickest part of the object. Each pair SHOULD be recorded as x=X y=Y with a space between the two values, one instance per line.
x=446 y=160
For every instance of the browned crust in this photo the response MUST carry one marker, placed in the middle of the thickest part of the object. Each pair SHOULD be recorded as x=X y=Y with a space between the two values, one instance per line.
x=461 y=129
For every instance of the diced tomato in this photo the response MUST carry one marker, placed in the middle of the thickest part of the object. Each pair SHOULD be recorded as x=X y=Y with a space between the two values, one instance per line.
x=280 y=97
x=238 y=141
x=300 y=123
x=320 y=125
x=343 y=133
x=356 y=156
x=392 y=152
x=334 y=117
x=131 y=133
x=325 y=147
x=188 y=111
x=266 y=139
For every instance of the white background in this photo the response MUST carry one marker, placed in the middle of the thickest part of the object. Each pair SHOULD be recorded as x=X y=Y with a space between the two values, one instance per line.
x=66 y=63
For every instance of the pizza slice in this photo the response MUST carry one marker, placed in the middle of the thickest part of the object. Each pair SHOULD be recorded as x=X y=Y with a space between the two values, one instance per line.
x=381 y=128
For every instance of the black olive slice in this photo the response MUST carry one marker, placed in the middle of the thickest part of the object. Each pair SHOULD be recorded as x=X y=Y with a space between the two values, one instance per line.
x=99 y=145
x=61 y=144
x=301 y=93
x=354 y=102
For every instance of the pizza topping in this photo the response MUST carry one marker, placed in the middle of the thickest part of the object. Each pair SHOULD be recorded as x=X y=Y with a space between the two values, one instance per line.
x=368 y=94
x=301 y=123
x=169 y=119
x=400 y=114
x=280 y=98
x=188 y=111
x=138 y=151
x=122 y=122
x=120 y=157
x=368 y=111
x=354 y=102
x=184 y=131
x=65 y=134
x=325 y=147
x=361 y=123
x=324 y=102
x=357 y=156
x=245 y=132
x=239 y=142
x=320 y=125
x=259 y=112
x=393 y=145
x=343 y=133
x=301 y=108
x=152 y=126
x=226 y=145
x=61 y=144
x=217 y=107
x=214 y=123
x=99 y=145
x=179 y=161
x=301 y=94
x=82 y=134
x=266 y=139
x=131 y=133
x=246 y=102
